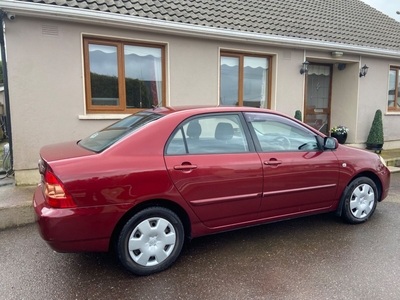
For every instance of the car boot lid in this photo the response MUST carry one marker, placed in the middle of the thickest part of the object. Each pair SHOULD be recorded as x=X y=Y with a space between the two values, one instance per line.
x=62 y=151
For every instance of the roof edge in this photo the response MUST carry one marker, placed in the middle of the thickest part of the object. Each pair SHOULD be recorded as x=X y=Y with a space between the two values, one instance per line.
x=116 y=20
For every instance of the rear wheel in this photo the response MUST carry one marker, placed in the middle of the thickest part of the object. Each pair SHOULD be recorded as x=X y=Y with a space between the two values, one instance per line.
x=150 y=241
x=361 y=197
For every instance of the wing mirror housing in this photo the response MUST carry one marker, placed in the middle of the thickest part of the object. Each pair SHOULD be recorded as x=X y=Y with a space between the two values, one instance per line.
x=330 y=143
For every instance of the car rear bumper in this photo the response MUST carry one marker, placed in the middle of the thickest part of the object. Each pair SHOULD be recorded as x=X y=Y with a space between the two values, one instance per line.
x=76 y=229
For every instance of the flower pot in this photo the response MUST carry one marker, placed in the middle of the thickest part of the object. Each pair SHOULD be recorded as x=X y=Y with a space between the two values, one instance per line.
x=341 y=137
x=375 y=147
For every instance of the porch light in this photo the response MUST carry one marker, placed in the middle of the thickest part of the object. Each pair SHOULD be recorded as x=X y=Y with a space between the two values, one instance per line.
x=304 y=69
x=336 y=54
x=363 y=71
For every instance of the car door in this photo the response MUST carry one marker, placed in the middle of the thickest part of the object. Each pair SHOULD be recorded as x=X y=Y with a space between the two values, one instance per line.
x=216 y=169
x=299 y=176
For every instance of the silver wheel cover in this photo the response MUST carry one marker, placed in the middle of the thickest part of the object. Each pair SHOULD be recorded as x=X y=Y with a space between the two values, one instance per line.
x=152 y=241
x=362 y=201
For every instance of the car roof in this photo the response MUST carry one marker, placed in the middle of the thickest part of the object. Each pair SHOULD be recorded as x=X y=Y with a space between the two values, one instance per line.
x=199 y=109
x=209 y=109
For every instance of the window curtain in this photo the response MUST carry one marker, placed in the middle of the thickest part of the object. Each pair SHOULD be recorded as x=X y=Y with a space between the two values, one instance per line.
x=318 y=70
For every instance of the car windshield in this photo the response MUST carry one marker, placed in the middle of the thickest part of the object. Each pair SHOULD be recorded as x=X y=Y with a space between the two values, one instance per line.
x=100 y=140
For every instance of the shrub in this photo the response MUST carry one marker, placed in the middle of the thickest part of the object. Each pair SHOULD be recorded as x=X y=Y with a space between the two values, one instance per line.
x=375 y=136
x=298 y=116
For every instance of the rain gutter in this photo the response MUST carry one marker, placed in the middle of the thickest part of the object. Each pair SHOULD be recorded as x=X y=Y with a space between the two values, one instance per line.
x=125 y=21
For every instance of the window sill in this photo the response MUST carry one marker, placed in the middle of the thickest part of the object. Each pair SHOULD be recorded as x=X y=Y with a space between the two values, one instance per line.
x=392 y=113
x=103 y=116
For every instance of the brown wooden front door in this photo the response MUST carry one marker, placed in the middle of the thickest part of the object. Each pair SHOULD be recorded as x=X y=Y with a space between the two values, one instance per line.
x=318 y=97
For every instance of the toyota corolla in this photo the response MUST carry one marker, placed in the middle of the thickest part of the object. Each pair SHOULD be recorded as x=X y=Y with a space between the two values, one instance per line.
x=148 y=183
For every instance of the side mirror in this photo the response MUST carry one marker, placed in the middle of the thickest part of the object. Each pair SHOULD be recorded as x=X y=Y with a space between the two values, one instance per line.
x=330 y=143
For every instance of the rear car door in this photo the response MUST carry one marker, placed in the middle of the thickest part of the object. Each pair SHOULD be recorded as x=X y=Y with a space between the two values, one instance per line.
x=216 y=169
x=299 y=176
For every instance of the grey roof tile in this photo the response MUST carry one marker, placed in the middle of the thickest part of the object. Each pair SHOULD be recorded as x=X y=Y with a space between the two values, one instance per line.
x=341 y=21
x=128 y=5
x=92 y=6
x=103 y=7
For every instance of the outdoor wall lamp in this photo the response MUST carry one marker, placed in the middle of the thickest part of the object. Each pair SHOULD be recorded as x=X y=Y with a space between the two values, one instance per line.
x=304 y=69
x=363 y=71
x=336 y=54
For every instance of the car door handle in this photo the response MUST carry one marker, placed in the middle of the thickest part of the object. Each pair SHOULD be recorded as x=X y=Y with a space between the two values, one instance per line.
x=185 y=167
x=272 y=162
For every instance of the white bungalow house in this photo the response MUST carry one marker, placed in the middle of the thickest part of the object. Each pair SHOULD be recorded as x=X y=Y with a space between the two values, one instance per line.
x=75 y=66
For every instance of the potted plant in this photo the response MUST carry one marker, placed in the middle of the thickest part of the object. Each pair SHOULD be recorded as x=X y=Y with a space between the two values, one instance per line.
x=375 y=137
x=340 y=133
x=298 y=116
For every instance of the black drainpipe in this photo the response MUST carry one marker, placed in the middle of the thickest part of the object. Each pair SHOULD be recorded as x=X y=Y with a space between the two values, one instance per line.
x=5 y=81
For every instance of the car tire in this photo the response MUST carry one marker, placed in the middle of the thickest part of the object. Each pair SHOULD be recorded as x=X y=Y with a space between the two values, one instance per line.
x=360 y=200
x=150 y=241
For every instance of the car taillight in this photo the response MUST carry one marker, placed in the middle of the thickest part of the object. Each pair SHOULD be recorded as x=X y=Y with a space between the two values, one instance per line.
x=55 y=192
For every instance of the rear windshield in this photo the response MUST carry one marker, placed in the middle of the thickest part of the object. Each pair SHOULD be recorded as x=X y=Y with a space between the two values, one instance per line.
x=100 y=140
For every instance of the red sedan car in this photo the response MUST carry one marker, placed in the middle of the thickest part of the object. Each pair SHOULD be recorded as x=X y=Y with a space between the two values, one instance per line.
x=147 y=182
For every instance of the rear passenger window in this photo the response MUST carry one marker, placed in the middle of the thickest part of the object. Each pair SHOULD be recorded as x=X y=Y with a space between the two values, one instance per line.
x=210 y=134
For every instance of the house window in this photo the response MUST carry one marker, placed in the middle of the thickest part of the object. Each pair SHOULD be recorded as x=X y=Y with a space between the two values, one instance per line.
x=123 y=77
x=244 y=80
x=394 y=90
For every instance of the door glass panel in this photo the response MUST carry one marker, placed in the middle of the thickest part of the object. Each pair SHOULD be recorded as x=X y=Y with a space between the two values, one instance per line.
x=255 y=81
x=143 y=76
x=103 y=75
x=318 y=97
x=277 y=134
x=209 y=135
x=318 y=86
x=229 y=80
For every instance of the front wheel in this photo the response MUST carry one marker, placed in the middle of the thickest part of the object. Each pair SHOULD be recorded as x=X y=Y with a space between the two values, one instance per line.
x=360 y=199
x=150 y=241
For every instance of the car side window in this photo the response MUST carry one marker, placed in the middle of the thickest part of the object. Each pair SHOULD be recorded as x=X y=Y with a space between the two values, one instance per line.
x=276 y=133
x=209 y=134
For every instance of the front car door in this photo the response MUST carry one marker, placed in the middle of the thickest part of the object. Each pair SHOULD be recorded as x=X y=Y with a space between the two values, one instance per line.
x=216 y=169
x=299 y=176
